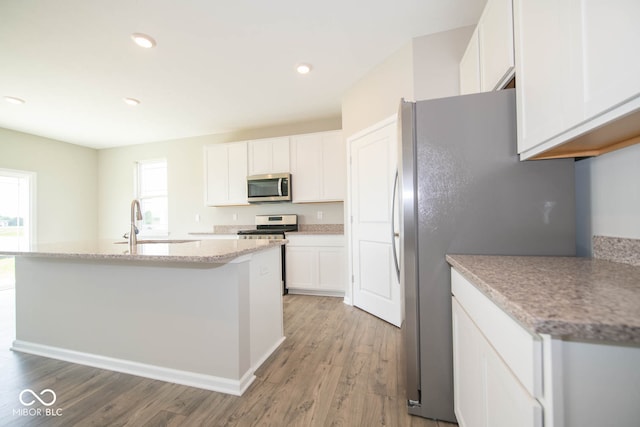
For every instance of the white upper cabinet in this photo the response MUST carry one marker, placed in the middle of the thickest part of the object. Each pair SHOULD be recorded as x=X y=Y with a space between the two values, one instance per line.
x=226 y=174
x=495 y=37
x=546 y=77
x=269 y=155
x=611 y=53
x=488 y=63
x=578 y=71
x=318 y=167
x=470 y=67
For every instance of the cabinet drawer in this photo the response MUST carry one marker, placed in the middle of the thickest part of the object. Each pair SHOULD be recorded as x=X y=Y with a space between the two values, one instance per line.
x=520 y=350
x=316 y=240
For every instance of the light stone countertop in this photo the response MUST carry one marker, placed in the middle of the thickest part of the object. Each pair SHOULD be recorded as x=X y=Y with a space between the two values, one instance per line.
x=191 y=251
x=566 y=297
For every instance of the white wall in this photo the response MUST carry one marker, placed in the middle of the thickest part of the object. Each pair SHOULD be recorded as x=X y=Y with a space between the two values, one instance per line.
x=185 y=166
x=608 y=196
x=66 y=184
x=436 y=60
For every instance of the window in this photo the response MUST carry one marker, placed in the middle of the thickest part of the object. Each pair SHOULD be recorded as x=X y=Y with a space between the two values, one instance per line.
x=17 y=195
x=151 y=191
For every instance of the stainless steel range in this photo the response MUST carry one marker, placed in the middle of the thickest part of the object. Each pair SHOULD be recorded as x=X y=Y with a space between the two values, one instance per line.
x=273 y=227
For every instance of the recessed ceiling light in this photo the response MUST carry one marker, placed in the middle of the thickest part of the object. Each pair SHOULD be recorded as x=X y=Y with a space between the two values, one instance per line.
x=303 y=68
x=131 y=101
x=143 y=40
x=14 y=100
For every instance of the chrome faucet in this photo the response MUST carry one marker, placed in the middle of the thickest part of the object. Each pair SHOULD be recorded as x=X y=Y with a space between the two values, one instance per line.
x=133 y=239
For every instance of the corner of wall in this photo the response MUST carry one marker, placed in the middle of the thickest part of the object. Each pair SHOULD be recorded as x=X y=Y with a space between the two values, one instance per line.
x=436 y=59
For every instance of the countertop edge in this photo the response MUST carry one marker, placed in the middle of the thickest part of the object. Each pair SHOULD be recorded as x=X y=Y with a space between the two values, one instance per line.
x=185 y=259
x=528 y=322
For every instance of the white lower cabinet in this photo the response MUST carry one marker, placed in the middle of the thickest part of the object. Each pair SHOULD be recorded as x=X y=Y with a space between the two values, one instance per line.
x=487 y=393
x=497 y=363
x=499 y=367
x=316 y=264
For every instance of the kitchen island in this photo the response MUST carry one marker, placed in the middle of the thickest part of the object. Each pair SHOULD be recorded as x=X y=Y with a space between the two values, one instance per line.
x=200 y=313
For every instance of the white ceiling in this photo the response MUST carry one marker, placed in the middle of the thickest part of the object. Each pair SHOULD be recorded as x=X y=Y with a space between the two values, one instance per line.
x=218 y=65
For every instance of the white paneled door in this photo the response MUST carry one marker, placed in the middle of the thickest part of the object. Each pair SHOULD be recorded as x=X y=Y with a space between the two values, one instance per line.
x=372 y=169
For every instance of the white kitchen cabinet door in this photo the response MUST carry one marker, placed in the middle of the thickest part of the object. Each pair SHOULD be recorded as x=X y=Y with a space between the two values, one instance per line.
x=269 y=155
x=486 y=392
x=547 y=91
x=611 y=47
x=301 y=268
x=318 y=167
x=332 y=269
x=495 y=40
x=334 y=167
x=306 y=168
x=488 y=63
x=226 y=174
x=470 y=67
x=576 y=71
x=507 y=403
x=467 y=371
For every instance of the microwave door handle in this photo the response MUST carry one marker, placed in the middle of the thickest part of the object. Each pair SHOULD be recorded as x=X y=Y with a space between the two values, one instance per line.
x=280 y=187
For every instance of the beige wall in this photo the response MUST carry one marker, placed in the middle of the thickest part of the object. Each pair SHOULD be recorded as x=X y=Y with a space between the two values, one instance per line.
x=66 y=184
x=185 y=166
x=425 y=68
x=436 y=60
x=377 y=95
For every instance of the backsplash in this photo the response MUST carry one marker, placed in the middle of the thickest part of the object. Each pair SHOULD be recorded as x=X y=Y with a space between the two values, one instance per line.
x=302 y=228
x=617 y=249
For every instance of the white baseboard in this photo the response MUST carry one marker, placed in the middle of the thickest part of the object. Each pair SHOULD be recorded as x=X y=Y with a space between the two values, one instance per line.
x=192 y=379
x=318 y=293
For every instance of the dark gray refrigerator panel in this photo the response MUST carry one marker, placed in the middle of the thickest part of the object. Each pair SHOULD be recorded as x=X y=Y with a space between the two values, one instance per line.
x=471 y=195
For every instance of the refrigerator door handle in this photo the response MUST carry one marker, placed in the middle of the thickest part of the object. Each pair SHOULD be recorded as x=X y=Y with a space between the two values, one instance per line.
x=394 y=234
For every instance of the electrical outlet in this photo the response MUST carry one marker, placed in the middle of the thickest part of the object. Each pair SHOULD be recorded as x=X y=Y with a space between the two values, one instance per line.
x=234 y=216
x=197 y=217
x=319 y=215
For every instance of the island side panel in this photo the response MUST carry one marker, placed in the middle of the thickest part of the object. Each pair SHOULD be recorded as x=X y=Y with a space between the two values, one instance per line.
x=191 y=318
x=266 y=317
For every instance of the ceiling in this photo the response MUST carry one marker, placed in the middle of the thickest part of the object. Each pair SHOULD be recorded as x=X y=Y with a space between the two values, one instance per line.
x=218 y=65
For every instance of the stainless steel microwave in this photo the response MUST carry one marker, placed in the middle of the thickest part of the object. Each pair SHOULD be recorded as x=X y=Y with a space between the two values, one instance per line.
x=273 y=187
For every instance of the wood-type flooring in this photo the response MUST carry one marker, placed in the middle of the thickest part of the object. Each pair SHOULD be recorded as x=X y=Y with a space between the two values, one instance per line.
x=339 y=366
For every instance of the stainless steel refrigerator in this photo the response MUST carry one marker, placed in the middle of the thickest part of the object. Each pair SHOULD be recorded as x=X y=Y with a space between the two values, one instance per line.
x=464 y=190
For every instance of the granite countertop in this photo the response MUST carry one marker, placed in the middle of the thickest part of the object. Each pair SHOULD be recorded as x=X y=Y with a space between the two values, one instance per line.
x=184 y=251
x=566 y=297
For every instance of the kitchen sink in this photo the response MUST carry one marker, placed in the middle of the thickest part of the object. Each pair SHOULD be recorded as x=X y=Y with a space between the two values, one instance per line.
x=141 y=242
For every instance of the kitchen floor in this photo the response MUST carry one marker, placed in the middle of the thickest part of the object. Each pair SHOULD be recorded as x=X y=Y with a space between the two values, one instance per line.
x=339 y=366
